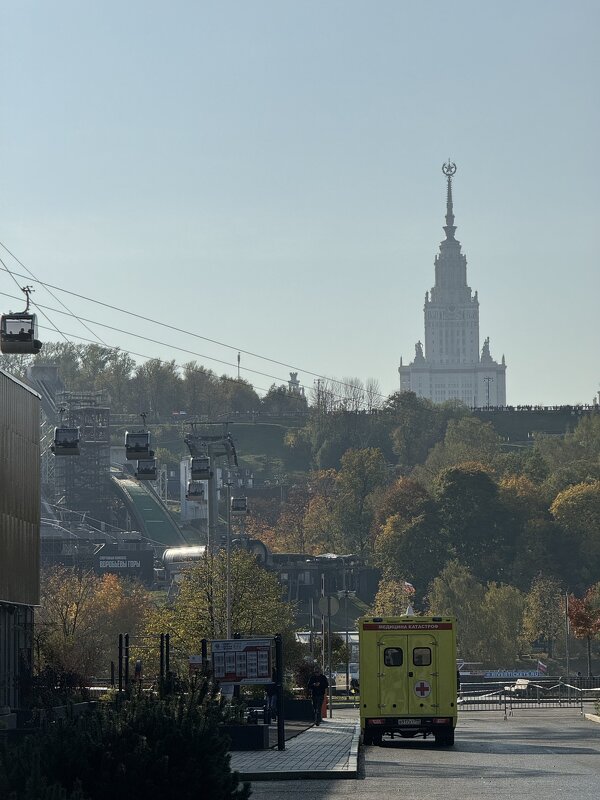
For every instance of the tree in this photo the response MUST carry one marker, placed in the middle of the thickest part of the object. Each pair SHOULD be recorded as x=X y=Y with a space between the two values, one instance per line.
x=203 y=393
x=156 y=388
x=456 y=592
x=393 y=597
x=413 y=549
x=418 y=426
x=361 y=473
x=584 y=616
x=80 y=616
x=466 y=440
x=503 y=615
x=471 y=516
x=280 y=400
x=404 y=497
x=239 y=395
x=292 y=535
x=199 y=609
x=543 y=617
x=577 y=511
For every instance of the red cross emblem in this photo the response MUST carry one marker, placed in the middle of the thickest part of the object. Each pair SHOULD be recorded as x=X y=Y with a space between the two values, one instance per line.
x=423 y=689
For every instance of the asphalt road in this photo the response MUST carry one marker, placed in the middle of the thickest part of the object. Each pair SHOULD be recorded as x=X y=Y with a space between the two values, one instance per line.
x=533 y=755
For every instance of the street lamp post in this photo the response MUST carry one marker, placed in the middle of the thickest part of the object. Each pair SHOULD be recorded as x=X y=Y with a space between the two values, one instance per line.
x=346 y=593
x=488 y=379
x=228 y=567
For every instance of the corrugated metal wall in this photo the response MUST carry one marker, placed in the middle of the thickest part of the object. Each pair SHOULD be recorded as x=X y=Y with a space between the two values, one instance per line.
x=16 y=644
x=19 y=492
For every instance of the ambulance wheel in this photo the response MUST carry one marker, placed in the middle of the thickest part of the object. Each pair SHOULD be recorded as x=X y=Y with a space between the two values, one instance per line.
x=445 y=738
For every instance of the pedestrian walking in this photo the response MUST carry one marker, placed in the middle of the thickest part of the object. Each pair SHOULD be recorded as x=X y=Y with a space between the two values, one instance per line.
x=317 y=686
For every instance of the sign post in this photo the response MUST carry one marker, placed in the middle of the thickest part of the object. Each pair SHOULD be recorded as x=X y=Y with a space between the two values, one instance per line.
x=329 y=606
x=251 y=662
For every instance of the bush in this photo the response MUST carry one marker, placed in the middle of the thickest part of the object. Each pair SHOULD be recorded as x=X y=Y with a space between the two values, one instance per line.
x=150 y=748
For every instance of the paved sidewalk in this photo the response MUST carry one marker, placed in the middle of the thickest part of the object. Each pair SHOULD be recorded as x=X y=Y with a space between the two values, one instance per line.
x=329 y=751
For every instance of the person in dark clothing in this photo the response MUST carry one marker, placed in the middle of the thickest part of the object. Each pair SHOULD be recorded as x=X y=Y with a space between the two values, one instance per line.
x=317 y=686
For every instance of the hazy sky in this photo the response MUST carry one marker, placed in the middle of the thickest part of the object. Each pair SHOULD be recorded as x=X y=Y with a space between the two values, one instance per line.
x=268 y=174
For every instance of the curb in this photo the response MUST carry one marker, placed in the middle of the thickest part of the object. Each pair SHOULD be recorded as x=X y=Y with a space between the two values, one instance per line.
x=592 y=717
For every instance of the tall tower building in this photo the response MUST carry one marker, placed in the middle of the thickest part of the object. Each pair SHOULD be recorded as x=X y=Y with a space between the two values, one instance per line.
x=452 y=367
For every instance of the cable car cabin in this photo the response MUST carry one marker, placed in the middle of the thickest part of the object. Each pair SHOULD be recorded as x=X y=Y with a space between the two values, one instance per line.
x=146 y=469
x=195 y=492
x=200 y=468
x=239 y=506
x=18 y=333
x=66 y=442
x=137 y=445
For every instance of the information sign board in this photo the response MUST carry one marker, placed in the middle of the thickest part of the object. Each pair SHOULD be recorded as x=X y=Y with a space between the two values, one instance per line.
x=242 y=661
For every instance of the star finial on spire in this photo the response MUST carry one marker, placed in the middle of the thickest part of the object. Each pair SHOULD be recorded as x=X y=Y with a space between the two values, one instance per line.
x=449 y=169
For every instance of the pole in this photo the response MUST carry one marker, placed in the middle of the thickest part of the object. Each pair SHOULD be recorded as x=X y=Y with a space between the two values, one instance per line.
x=162 y=664
x=279 y=685
x=347 y=651
x=323 y=626
x=311 y=641
x=126 y=660
x=329 y=650
x=204 y=645
x=567 y=633
x=228 y=568
x=213 y=505
x=120 y=663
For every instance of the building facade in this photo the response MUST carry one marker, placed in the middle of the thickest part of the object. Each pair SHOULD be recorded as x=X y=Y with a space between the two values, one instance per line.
x=451 y=366
x=19 y=534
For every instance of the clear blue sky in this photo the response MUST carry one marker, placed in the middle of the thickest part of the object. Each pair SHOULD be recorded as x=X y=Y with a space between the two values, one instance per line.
x=267 y=174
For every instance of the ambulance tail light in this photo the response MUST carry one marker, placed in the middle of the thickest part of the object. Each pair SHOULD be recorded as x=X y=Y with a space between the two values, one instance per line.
x=441 y=720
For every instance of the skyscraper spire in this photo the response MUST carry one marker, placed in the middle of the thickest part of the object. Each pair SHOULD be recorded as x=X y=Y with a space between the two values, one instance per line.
x=449 y=169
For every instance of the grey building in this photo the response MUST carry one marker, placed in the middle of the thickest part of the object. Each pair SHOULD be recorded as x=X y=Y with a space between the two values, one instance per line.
x=19 y=533
x=451 y=366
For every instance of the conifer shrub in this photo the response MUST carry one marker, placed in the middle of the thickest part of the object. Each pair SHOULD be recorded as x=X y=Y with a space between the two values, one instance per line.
x=148 y=748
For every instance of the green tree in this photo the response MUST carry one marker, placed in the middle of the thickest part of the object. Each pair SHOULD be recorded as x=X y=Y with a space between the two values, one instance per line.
x=279 y=400
x=361 y=473
x=472 y=518
x=466 y=440
x=543 y=617
x=239 y=395
x=456 y=592
x=577 y=511
x=203 y=393
x=415 y=549
x=418 y=425
x=199 y=609
x=156 y=388
x=503 y=614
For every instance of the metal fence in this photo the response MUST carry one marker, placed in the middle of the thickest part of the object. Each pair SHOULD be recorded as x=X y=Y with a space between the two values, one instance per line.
x=523 y=694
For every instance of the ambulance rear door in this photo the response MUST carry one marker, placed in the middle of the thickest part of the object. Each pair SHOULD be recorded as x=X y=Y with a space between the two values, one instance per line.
x=408 y=675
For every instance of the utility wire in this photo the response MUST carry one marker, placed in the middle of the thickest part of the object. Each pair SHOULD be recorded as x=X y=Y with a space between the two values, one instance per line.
x=34 y=303
x=195 y=335
x=50 y=292
x=162 y=344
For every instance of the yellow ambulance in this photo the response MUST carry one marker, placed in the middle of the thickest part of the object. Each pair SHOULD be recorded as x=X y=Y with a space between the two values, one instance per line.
x=408 y=683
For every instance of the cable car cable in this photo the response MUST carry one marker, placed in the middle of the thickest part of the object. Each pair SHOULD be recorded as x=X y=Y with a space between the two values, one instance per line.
x=196 y=335
x=50 y=292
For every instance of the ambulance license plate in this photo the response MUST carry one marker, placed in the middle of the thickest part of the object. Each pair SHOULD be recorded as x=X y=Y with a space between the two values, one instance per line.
x=412 y=722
